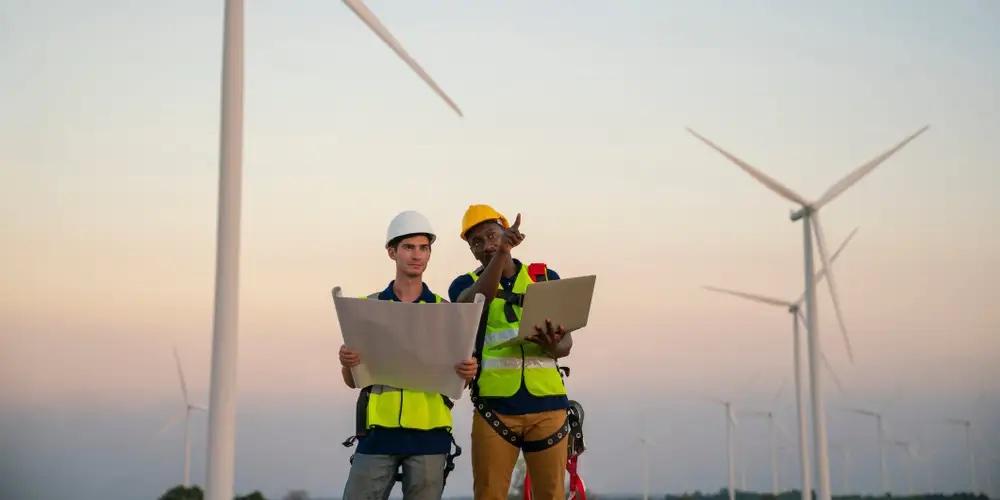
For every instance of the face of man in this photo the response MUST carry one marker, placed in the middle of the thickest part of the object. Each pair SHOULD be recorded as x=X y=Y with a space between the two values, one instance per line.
x=484 y=239
x=411 y=255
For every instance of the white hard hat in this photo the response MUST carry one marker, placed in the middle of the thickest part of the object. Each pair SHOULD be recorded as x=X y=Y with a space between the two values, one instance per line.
x=407 y=223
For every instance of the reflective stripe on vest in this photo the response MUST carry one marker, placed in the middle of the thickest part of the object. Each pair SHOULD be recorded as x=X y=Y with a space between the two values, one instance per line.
x=503 y=367
x=515 y=363
x=393 y=407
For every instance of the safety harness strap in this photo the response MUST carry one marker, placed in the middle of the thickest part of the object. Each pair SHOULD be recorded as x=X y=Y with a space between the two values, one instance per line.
x=516 y=440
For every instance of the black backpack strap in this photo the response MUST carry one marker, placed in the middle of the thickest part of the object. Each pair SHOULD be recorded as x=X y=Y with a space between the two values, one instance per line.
x=511 y=299
x=360 y=420
x=361 y=412
x=449 y=464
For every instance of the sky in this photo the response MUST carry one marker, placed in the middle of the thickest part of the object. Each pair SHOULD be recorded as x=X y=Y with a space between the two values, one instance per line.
x=575 y=116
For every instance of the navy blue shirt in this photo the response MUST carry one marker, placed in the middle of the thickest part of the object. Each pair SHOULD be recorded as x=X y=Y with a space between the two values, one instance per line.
x=397 y=440
x=522 y=401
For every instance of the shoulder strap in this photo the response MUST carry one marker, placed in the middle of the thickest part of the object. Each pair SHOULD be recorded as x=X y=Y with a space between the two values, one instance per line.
x=478 y=352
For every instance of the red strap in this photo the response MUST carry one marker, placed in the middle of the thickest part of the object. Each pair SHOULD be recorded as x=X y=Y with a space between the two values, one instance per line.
x=577 y=489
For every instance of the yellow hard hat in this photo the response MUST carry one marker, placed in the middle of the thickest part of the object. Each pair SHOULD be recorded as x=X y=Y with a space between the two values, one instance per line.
x=476 y=214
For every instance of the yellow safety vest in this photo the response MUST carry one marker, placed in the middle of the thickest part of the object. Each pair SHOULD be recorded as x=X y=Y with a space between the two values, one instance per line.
x=393 y=407
x=502 y=368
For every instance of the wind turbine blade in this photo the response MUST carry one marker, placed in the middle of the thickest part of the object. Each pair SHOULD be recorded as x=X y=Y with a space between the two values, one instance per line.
x=750 y=296
x=180 y=373
x=170 y=423
x=369 y=18
x=833 y=375
x=853 y=177
x=859 y=411
x=957 y=421
x=199 y=408
x=821 y=275
x=763 y=178
x=843 y=245
x=831 y=283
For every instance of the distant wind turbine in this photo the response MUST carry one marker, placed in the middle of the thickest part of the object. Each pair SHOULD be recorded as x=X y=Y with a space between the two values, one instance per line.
x=880 y=428
x=989 y=474
x=909 y=454
x=186 y=415
x=809 y=213
x=222 y=417
x=644 y=447
x=772 y=446
x=772 y=430
x=970 y=448
x=730 y=447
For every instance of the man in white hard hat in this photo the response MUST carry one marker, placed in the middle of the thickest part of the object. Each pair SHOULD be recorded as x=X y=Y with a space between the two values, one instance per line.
x=399 y=428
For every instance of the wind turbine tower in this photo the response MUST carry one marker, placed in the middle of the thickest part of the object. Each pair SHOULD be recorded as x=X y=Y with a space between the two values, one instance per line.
x=222 y=403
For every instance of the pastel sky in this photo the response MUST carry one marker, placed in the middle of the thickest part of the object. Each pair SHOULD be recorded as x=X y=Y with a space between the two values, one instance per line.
x=575 y=118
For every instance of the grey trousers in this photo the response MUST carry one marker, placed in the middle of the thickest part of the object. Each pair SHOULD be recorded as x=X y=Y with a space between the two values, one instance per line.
x=372 y=477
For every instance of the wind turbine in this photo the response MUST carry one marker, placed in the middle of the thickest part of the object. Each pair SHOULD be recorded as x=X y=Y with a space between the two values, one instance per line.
x=772 y=446
x=971 y=449
x=989 y=473
x=772 y=428
x=794 y=308
x=880 y=428
x=730 y=447
x=809 y=213
x=644 y=446
x=222 y=417
x=188 y=408
x=909 y=453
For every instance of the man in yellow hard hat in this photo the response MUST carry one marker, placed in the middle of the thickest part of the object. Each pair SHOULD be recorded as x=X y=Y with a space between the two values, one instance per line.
x=518 y=394
x=399 y=428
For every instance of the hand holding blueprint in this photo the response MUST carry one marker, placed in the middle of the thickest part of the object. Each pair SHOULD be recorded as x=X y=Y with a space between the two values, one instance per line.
x=407 y=345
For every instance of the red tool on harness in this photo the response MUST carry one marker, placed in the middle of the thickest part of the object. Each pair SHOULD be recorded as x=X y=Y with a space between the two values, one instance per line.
x=577 y=489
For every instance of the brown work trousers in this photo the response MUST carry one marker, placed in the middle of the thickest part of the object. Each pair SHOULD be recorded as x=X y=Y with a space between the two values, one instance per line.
x=493 y=458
